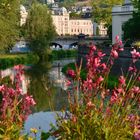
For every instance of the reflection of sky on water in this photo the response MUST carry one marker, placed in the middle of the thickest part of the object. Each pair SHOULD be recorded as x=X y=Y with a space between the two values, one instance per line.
x=41 y=121
x=58 y=78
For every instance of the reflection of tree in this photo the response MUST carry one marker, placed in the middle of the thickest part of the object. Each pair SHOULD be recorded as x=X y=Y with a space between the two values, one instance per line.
x=40 y=86
x=45 y=94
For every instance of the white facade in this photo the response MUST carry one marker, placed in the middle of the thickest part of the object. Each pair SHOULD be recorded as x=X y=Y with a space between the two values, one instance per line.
x=66 y=26
x=120 y=14
x=23 y=15
x=102 y=29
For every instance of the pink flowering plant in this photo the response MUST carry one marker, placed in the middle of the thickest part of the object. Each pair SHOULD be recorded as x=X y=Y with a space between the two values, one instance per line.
x=15 y=106
x=96 y=112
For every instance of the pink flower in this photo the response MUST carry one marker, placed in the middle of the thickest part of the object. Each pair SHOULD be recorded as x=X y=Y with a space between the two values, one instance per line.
x=101 y=54
x=132 y=69
x=117 y=38
x=100 y=79
x=68 y=83
x=30 y=100
x=121 y=49
x=2 y=88
x=97 y=62
x=103 y=65
x=88 y=84
x=122 y=80
x=135 y=55
x=90 y=104
x=93 y=48
x=120 y=43
x=114 y=54
x=113 y=99
x=71 y=73
x=136 y=89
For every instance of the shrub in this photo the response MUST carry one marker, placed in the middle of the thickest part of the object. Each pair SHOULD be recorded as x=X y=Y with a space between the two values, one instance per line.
x=14 y=107
x=96 y=112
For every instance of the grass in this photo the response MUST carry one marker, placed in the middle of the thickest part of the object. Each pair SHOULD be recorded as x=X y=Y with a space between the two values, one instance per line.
x=9 y=60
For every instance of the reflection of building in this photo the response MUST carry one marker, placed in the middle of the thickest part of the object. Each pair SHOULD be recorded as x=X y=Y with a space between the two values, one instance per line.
x=66 y=26
x=23 y=15
x=120 y=14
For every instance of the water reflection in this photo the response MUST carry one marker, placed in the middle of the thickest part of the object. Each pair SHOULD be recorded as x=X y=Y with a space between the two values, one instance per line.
x=46 y=87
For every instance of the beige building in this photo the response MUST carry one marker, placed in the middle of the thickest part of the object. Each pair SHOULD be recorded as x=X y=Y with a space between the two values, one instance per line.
x=23 y=15
x=102 y=29
x=78 y=26
x=66 y=26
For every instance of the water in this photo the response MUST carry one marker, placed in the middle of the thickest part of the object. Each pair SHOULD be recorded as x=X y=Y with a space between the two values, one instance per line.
x=47 y=84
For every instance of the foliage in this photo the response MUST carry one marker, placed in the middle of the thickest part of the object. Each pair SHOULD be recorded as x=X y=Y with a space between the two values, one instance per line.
x=131 y=27
x=75 y=15
x=9 y=23
x=15 y=107
x=40 y=29
x=67 y=3
x=15 y=59
x=96 y=112
x=102 y=10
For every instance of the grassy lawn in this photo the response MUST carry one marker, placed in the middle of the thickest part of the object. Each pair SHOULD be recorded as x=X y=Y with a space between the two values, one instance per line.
x=9 y=60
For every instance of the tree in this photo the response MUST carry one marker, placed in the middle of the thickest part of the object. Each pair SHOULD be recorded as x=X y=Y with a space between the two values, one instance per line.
x=102 y=10
x=131 y=28
x=40 y=29
x=9 y=23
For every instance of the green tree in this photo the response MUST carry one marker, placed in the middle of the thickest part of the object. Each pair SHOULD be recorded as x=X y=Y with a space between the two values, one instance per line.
x=9 y=23
x=131 y=28
x=102 y=10
x=40 y=29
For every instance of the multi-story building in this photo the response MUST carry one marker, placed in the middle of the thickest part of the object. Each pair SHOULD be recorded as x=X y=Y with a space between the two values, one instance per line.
x=66 y=26
x=61 y=21
x=78 y=26
x=102 y=29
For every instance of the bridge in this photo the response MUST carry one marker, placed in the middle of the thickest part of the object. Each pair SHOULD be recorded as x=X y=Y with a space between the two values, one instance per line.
x=74 y=40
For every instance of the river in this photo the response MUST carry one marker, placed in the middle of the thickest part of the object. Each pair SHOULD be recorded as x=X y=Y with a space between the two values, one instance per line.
x=48 y=86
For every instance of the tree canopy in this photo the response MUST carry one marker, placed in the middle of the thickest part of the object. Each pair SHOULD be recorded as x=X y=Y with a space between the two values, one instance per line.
x=102 y=10
x=9 y=22
x=40 y=28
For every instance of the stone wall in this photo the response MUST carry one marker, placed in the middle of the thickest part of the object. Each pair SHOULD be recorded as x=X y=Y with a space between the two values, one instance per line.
x=120 y=64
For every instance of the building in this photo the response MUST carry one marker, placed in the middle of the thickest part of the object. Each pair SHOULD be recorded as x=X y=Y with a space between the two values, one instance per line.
x=66 y=26
x=120 y=14
x=78 y=26
x=61 y=21
x=23 y=15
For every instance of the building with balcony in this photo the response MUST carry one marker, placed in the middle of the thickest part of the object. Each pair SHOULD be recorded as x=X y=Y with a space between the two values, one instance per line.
x=121 y=14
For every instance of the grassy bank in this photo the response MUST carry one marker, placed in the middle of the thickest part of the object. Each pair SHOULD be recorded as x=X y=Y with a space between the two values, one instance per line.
x=9 y=60
x=61 y=54
x=112 y=80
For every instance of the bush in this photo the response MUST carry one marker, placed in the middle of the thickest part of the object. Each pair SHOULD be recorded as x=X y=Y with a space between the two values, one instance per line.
x=96 y=112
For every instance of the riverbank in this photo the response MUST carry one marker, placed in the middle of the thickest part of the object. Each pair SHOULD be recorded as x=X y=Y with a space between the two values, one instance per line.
x=112 y=80
x=9 y=60
x=62 y=54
